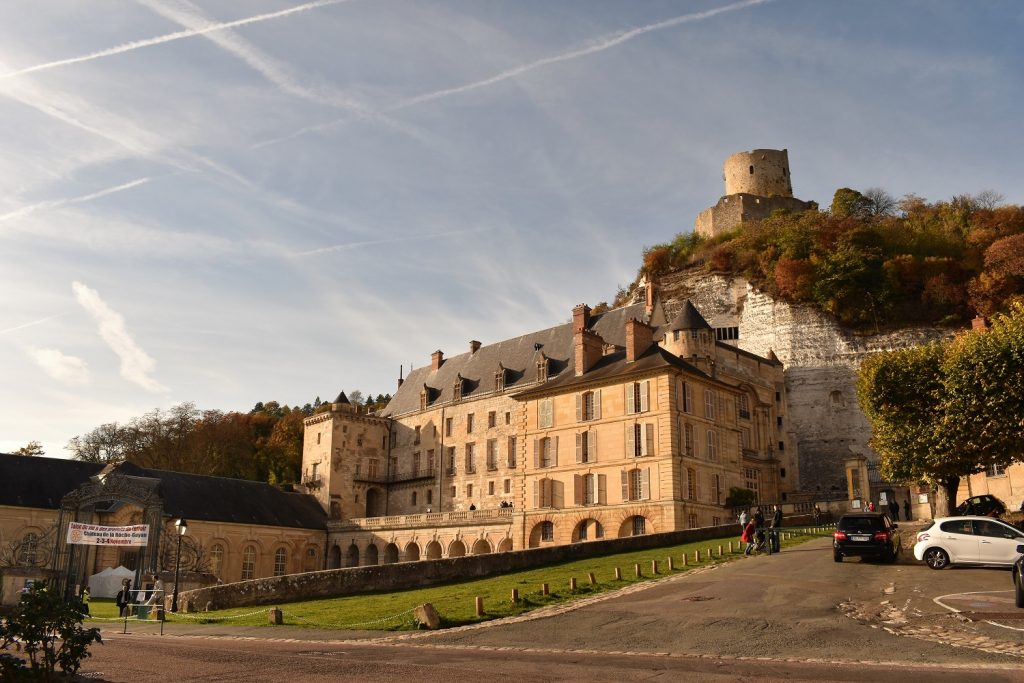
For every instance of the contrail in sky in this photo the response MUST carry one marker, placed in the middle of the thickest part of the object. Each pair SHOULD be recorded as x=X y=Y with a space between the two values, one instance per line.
x=34 y=322
x=54 y=203
x=169 y=37
x=390 y=240
x=599 y=45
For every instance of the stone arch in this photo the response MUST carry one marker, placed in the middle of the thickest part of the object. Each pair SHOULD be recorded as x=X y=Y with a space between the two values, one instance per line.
x=390 y=555
x=334 y=562
x=352 y=556
x=434 y=550
x=371 y=555
x=587 y=530
x=374 y=502
x=505 y=545
x=412 y=552
x=635 y=525
x=456 y=549
x=481 y=547
x=540 y=531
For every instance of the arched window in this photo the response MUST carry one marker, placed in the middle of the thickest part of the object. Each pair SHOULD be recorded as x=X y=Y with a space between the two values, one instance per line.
x=216 y=559
x=249 y=563
x=280 y=561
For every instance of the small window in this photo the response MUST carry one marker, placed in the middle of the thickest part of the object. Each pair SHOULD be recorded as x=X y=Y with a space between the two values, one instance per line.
x=469 y=423
x=448 y=426
x=430 y=496
x=416 y=438
x=490 y=488
x=318 y=435
x=508 y=418
x=492 y=419
x=782 y=472
x=453 y=492
x=639 y=526
x=414 y=498
x=995 y=471
x=751 y=170
x=508 y=486
x=782 y=445
x=547 y=531
x=469 y=490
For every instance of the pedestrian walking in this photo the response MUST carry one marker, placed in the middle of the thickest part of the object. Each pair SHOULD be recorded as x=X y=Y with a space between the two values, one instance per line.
x=894 y=510
x=906 y=510
x=776 y=529
x=123 y=597
x=85 y=599
x=817 y=514
x=743 y=519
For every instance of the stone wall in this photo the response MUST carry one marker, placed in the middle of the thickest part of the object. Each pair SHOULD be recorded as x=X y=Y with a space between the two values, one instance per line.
x=406 y=575
x=734 y=209
x=821 y=362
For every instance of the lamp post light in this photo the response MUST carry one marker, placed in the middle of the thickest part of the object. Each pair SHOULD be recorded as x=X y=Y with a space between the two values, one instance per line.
x=182 y=528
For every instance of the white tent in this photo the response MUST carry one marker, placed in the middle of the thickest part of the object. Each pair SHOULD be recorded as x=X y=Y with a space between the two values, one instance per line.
x=107 y=583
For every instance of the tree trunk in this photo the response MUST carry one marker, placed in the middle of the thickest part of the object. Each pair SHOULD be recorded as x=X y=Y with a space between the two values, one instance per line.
x=944 y=493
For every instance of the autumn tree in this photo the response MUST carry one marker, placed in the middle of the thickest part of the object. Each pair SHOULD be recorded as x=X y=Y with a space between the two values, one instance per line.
x=33 y=448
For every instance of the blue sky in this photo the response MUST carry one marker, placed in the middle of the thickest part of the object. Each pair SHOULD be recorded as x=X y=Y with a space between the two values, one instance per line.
x=228 y=202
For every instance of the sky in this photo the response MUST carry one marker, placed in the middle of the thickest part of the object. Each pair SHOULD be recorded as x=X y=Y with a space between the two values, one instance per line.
x=227 y=202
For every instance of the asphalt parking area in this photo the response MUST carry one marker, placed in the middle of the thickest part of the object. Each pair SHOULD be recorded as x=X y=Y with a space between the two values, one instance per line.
x=996 y=607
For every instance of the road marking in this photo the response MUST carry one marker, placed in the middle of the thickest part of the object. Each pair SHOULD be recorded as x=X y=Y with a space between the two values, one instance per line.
x=938 y=601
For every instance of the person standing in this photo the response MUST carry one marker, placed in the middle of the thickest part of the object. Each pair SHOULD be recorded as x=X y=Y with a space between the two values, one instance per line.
x=817 y=514
x=123 y=597
x=776 y=529
x=906 y=510
x=758 y=518
x=85 y=599
x=894 y=510
x=743 y=519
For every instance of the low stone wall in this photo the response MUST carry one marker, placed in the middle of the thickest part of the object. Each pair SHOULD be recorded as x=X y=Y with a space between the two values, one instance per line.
x=392 y=577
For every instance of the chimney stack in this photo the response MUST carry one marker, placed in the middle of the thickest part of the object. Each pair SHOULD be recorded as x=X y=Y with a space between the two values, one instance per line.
x=639 y=338
x=401 y=370
x=474 y=346
x=580 y=318
x=436 y=359
x=980 y=323
x=649 y=298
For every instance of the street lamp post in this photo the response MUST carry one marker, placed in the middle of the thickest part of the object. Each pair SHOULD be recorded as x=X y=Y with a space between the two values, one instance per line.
x=182 y=527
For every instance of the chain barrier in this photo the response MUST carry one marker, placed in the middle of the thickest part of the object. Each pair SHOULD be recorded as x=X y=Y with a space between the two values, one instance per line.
x=360 y=623
x=182 y=615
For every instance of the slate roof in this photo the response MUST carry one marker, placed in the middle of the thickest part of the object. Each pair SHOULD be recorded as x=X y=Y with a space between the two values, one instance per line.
x=41 y=482
x=689 y=318
x=519 y=357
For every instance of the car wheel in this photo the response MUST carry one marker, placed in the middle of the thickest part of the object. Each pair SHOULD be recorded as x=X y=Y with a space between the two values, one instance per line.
x=1019 y=584
x=838 y=557
x=936 y=558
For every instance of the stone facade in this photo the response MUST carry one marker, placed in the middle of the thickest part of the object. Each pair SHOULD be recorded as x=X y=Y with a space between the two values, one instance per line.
x=756 y=184
x=614 y=428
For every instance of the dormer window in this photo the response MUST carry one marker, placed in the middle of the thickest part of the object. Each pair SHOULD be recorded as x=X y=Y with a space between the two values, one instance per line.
x=542 y=369
x=457 y=389
x=499 y=379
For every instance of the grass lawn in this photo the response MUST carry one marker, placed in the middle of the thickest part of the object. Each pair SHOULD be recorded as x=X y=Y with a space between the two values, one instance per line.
x=455 y=602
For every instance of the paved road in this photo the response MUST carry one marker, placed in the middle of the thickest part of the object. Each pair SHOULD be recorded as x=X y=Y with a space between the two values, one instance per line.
x=793 y=616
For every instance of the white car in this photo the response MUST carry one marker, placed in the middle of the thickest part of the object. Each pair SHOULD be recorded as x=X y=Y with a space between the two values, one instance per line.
x=968 y=540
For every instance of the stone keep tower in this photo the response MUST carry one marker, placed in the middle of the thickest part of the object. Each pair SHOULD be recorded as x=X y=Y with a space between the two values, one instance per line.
x=756 y=183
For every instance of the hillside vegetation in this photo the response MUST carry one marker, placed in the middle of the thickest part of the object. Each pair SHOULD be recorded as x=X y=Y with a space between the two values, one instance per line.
x=872 y=261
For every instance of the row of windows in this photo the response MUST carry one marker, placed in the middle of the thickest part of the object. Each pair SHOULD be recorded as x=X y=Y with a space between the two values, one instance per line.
x=588 y=404
x=492 y=457
x=590 y=529
x=592 y=489
x=449 y=423
x=491 y=490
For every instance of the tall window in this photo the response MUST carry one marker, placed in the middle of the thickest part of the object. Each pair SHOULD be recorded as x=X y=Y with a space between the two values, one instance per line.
x=638 y=397
x=248 y=563
x=545 y=414
x=588 y=406
x=543 y=493
x=547 y=531
x=639 y=526
x=216 y=559
x=508 y=486
x=687 y=398
x=490 y=488
x=430 y=461
x=753 y=478
x=639 y=440
x=448 y=426
x=712 y=450
x=743 y=406
x=589 y=489
x=470 y=458
x=280 y=561
x=492 y=454
x=692 y=520
x=416 y=438
x=716 y=489
x=586 y=446
x=709 y=404
x=450 y=469
x=545 y=452
x=469 y=490
x=691 y=483
x=416 y=462
x=636 y=484
x=492 y=419
x=372 y=466
x=414 y=497
x=512 y=452
x=469 y=423
x=430 y=496
x=688 y=439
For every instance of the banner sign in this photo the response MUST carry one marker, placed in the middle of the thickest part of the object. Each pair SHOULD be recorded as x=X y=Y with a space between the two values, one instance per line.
x=92 y=534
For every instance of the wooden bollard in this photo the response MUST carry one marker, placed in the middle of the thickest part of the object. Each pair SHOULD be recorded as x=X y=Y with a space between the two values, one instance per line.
x=515 y=595
x=636 y=568
x=671 y=564
x=696 y=556
x=709 y=553
x=572 y=583
x=618 y=574
x=479 y=606
x=275 y=616
x=684 y=559
x=654 y=566
x=719 y=551
x=730 y=547
x=544 y=589
x=593 y=579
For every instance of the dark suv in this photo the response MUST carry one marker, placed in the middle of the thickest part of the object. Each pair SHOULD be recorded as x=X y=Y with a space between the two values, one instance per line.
x=866 y=534
x=985 y=506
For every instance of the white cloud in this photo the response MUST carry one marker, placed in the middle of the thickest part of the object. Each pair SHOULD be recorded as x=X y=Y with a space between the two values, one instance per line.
x=136 y=364
x=61 y=367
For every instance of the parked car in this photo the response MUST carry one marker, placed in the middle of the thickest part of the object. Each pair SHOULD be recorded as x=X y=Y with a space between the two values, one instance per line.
x=967 y=540
x=866 y=534
x=1018 y=580
x=985 y=505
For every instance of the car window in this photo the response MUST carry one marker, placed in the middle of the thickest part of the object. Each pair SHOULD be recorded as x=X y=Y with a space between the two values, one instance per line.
x=993 y=529
x=928 y=525
x=856 y=524
x=958 y=526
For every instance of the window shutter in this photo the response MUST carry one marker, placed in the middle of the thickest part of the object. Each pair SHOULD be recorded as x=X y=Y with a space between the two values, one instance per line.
x=696 y=485
x=630 y=440
x=630 y=399
x=602 y=489
x=645 y=484
x=554 y=452
x=650 y=439
x=579 y=407
x=625 y=486
x=577 y=489
x=536 y=453
x=645 y=396
x=592 y=445
x=536 y=494
x=597 y=404
x=579 y=447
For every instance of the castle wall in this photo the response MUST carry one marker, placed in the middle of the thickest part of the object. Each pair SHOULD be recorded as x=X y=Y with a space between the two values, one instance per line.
x=734 y=209
x=763 y=172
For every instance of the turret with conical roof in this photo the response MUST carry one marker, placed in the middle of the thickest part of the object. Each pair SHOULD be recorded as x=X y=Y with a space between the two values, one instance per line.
x=689 y=335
